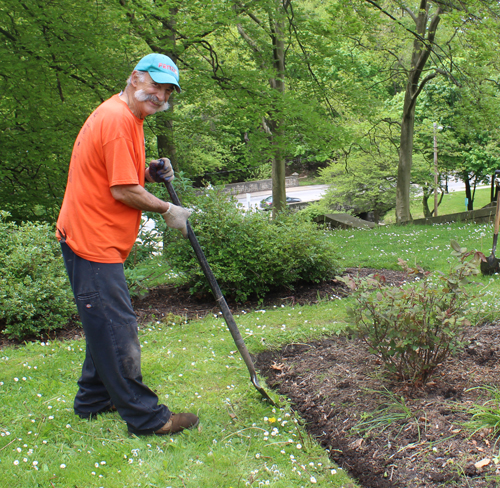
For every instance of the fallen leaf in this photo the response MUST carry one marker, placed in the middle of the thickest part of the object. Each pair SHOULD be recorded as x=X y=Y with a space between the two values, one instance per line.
x=357 y=444
x=481 y=464
x=278 y=367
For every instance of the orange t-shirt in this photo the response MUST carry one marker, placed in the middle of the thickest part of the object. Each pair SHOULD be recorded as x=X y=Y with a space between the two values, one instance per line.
x=108 y=151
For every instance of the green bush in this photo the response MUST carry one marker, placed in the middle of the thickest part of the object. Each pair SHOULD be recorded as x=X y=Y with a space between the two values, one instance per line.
x=415 y=327
x=35 y=295
x=248 y=253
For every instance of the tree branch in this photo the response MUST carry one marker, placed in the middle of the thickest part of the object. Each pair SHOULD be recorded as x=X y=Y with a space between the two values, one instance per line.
x=248 y=39
x=306 y=57
x=424 y=55
x=8 y=35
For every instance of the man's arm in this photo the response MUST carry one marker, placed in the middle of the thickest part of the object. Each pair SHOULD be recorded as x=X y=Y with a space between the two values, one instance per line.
x=137 y=197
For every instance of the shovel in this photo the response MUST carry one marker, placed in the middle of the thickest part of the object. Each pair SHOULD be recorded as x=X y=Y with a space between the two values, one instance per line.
x=491 y=265
x=228 y=316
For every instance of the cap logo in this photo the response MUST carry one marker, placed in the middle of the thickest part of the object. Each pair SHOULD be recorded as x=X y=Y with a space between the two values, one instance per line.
x=167 y=66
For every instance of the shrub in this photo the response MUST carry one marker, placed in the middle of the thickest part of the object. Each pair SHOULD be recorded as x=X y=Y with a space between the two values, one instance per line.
x=248 y=253
x=413 y=328
x=35 y=295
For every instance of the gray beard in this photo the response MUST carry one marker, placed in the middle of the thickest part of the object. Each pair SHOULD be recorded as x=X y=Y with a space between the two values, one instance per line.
x=141 y=96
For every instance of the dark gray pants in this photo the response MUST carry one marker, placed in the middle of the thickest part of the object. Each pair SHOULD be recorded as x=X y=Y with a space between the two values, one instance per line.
x=111 y=372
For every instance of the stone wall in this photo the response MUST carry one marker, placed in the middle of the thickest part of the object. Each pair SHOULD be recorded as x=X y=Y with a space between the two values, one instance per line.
x=261 y=185
x=486 y=214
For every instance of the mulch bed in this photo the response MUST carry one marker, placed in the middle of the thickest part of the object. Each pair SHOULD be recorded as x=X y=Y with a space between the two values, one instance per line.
x=335 y=382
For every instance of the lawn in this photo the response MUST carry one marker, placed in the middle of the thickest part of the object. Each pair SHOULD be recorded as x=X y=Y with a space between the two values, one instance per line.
x=195 y=366
x=426 y=246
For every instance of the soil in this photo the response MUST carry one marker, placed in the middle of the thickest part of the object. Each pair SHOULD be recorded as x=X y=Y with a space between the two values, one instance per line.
x=417 y=436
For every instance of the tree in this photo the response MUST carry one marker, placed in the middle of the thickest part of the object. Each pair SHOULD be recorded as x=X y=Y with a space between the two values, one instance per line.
x=273 y=64
x=55 y=63
x=358 y=191
x=426 y=25
x=429 y=57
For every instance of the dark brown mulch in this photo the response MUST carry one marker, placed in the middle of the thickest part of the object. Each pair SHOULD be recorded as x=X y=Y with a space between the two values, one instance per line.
x=178 y=301
x=335 y=382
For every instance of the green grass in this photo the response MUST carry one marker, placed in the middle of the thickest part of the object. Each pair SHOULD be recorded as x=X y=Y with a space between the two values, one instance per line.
x=309 y=180
x=486 y=415
x=427 y=246
x=193 y=367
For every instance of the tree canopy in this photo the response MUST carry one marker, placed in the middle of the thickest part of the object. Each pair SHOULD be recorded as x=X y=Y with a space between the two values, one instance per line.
x=350 y=86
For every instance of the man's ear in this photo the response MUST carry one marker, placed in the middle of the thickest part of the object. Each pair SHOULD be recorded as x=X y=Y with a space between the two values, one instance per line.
x=135 y=78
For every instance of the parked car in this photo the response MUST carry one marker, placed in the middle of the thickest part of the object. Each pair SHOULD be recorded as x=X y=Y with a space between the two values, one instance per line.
x=268 y=202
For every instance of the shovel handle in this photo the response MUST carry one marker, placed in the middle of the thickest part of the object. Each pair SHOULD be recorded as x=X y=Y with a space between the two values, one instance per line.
x=226 y=312
x=497 y=225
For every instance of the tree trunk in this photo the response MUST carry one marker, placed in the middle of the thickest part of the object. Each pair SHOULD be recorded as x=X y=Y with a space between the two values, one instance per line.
x=468 y=194
x=273 y=122
x=279 y=178
x=165 y=138
x=425 y=201
x=278 y=84
x=405 y=159
x=420 y=55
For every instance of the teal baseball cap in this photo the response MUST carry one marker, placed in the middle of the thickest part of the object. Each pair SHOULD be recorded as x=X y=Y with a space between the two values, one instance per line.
x=161 y=69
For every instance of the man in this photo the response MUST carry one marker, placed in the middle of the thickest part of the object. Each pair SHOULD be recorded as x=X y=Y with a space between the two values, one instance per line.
x=97 y=227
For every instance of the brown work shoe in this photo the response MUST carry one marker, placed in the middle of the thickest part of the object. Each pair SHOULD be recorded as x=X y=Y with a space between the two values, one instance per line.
x=178 y=422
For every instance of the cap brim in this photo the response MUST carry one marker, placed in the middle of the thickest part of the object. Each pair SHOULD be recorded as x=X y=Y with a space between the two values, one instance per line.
x=164 y=78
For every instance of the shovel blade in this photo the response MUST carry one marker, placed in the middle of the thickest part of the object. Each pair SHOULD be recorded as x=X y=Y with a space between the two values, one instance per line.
x=490 y=266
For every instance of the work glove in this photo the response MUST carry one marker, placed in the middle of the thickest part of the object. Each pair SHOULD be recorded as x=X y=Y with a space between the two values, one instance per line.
x=161 y=170
x=176 y=218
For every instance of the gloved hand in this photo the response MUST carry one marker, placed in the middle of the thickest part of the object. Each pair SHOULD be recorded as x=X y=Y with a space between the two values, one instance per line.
x=176 y=218
x=161 y=170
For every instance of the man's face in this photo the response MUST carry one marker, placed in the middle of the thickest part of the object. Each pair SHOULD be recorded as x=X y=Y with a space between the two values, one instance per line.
x=150 y=97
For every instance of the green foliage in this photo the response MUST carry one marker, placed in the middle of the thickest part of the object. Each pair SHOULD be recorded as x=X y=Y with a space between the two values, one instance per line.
x=144 y=248
x=487 y=415
x=55 y=60
x=35 y=295
x=467 y=136
x=315 y=209
x=147 y=274
x=413 y=328
x=365 y=181
x=341 y=87
x=248 y=253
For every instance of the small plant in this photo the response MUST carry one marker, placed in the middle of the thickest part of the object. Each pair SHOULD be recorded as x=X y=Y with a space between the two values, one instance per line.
x=171 y=319
x=486 y=416
x=393 y=411
x=415 y=327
